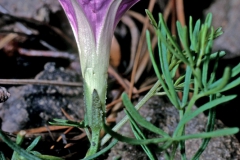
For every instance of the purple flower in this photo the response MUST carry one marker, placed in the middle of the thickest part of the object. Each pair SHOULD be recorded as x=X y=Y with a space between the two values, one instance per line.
x=93 y=23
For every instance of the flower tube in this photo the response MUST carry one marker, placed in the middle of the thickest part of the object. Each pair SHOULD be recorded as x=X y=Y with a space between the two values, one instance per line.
x=93 y=23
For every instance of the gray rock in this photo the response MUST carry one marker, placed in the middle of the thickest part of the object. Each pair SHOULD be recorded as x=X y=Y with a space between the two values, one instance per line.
x=32 y=106
x=37 y=9
x=226 y=14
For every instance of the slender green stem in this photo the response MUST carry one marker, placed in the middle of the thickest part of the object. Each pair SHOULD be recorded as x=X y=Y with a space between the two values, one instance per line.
x=173 y=150
x=210 y=127
x=188 y=109
x=112 y=144
x=160 y=78
x=195 y=96
x=182 y=143
x=94 y=143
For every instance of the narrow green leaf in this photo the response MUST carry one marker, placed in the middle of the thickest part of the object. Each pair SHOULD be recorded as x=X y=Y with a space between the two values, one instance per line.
x=173 y=71
x=209 y=45
x=217 y=54
x=165 y=69
x=183 y=35
x=186 y=45
x=48 y=157
x=149 y=44
x=186 y=88
x=205 y=71
x=64 y=122
x=180 y=30
x=175 y=62
x=195 y=35
x=208 y=50
x=33 y=144
x=203 y=38
x=45 y=157
x=213 y=74
x=218 y=133
x=235 y=71
x=198 y=76
x=222 y=85
x=139 y=119
x=190 y=28
x=151 y=18
x=218 y=32
x=178 y=53
x=19 y=140
x=179 y=80
x=187 y=117
x=169 y=57
x=139 y=135
x=155 y=65
x=164 y=26
x=231 y=85
x=133 y=141
x=208 y=20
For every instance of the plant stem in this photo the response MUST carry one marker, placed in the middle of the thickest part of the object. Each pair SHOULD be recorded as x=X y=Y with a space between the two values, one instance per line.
x=94 y=143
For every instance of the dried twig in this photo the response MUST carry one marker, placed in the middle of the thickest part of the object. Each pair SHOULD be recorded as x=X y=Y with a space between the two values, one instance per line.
x=134 y=40
x=55 y=54
x=141 y=41
x=5 y=40
x=38 y=82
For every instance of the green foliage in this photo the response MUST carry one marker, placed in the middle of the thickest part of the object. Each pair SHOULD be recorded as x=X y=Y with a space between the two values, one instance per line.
x=197 y=42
